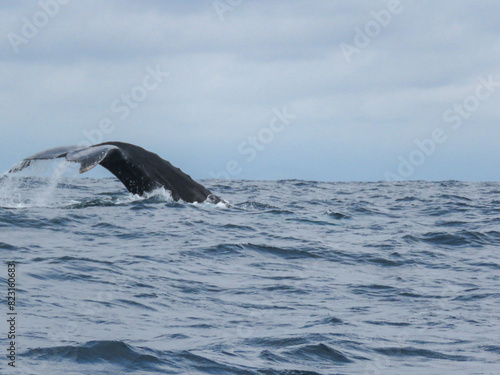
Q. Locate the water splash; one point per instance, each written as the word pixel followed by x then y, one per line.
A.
pixel 19 191
pixel 160 194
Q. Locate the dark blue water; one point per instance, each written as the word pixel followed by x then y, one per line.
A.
pixel 295 277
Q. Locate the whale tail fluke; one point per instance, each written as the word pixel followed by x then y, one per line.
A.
pixel 141 171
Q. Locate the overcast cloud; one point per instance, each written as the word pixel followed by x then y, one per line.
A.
pixel 318 90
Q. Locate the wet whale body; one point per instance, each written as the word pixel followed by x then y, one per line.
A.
pixel 141 171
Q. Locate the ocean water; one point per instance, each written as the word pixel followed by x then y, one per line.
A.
pixel 292 278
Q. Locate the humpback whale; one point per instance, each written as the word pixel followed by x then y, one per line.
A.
pixel 141 171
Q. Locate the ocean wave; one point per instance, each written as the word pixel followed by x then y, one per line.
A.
pixel 6 246
pixel 242 248
pixel 116 352
pixel 460 238
pixel 287 372
pixel 337 215
pixel 262 207
pixel 410 351
pixel 284 252
pixel 318 353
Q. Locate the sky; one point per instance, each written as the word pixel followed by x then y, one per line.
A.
pixel 361 90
